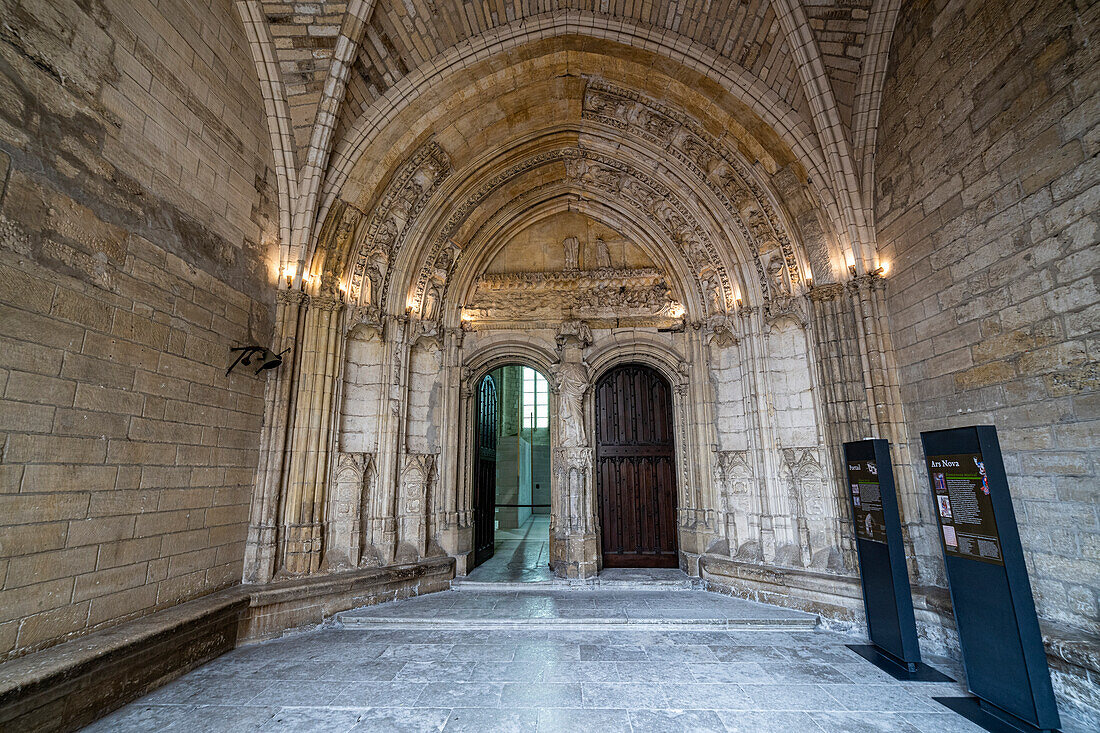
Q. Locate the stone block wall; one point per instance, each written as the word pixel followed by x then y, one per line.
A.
pixel 135 207
pixel 987 199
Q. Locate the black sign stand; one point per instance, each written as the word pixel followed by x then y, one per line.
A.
pixel 1002 648
pixel 879 544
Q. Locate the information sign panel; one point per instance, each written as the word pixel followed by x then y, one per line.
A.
pixel 999 636
pixel 964 507
pixel 886 595
pixel 863 482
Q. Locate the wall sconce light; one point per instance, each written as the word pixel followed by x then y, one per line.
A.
pixel 883 268
pixel 738 302
pixel 261 355
pixel 852 270
pixel 288 272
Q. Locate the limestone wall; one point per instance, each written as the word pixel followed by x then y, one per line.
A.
pixel 987 203
pixel 134 203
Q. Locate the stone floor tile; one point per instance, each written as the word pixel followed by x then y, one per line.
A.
pixel 138 718
pixel 863 723
pixel 654 672
pixel 545 650
pixel 540 695
pixel 401 720
pixel 285 693
pixel 752 721
pixel 749 672
pixel 524 671
pixel 437 671
pixel 668 721
pixel 801 672
pixel 623 695
pixel 403 694
pixel 614 653
pixel 582 672
pixel 573 720
pixel 460 695
pixel 945 722
pixel 887 697
pixel 189 690
pixel 792 697
pixel 417 652
pixel 754 653
pixel 690 653
pixel 312 719
pixel 474 720
pixel 717 696
pixel 481 653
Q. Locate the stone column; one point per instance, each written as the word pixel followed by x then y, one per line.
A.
pixel 843 398
pixel 577 541
pixel 311 439
pixel 778 527
pixel 263 526
pixel 884 406
pixel 447 520
pixel 391 445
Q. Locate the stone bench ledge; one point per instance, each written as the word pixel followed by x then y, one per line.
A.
pixel 71 659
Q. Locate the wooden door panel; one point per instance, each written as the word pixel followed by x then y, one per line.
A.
pixel 635 477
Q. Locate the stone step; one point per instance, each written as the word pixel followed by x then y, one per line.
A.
pixel 577 624
pixel 542 586
pixel 572 609
pixel 624 579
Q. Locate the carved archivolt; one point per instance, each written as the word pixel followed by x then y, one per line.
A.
pixel 590 170
pixel 404 199
pixel 720 170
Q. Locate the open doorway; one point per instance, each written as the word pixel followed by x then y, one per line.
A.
pixel 512 491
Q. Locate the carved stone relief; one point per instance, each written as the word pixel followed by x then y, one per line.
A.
pixel 348 501
pixel 414 487
pixel 554 296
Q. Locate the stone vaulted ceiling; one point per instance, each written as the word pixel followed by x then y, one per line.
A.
pixel 352 89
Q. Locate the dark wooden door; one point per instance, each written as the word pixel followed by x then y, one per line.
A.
pixel 635 469
pixel 485 471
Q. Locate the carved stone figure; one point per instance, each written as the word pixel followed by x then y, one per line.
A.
pixel 430 309
pixel 572 252
pixel 603 256
pixel 572 384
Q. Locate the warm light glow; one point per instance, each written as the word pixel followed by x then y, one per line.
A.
pixel 738 301
pixel 676 310
pixel 288 273
pixel 343 288
pixel 885 267
pixel 467 317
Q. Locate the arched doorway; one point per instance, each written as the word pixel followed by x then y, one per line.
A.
pixel 635 468
pixel 511 475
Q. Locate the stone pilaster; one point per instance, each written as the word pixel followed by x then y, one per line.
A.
pixel 263 527
pixel 311 439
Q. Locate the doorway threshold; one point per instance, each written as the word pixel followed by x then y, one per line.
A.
pixel 632 579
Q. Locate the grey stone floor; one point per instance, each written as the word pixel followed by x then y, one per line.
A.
pixel 520 555
pixel 578 609
pixel 334 679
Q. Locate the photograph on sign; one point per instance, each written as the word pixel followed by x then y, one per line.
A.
pixel 964 508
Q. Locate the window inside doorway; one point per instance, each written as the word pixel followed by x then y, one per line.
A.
pixel 536 400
